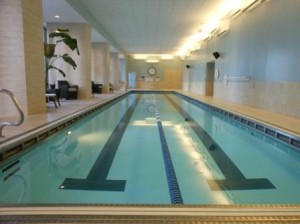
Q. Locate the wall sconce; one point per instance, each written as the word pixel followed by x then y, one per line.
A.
pixel 189 66
pixel 216 54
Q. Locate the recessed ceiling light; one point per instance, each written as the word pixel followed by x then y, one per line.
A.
pixel 167 56
pixel 57 16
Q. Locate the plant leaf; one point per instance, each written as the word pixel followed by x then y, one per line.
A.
pixel 69 60
pixel 61 35
pixel 67 39
pixel 72 43
pixel 59 70
pixel 62 30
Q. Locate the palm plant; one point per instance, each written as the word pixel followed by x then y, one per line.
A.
pixel 60 36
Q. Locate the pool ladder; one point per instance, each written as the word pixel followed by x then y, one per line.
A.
pixel 14 99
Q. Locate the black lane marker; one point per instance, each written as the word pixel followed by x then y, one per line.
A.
pixel 96 179
pixel 234 178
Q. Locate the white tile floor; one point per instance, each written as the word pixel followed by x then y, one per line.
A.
pixel 68 107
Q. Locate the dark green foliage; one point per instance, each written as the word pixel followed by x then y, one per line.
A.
pixel 62 36
pixel 67 39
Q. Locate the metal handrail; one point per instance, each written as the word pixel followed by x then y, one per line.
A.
pixel 13 97
pixel 238 78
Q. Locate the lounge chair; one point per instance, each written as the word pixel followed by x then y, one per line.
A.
pixel 67 91
pixel 96 88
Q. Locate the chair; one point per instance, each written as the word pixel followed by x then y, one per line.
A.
pixel 96 88
pixel 67 91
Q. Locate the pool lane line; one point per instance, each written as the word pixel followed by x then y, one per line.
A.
pixel 174 190
pixel 234 178
pixel 97 177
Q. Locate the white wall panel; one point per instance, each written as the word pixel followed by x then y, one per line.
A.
pixel 263 44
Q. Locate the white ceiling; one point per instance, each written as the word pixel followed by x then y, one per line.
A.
pixel 136 26
pixel 67 15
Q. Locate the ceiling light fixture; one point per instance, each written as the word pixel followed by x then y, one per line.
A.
pixel 251 5
pixel 167 56
pixel 152 60
pixel 140 56
pixel 57 16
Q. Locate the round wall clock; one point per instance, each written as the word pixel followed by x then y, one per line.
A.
pixel 151 70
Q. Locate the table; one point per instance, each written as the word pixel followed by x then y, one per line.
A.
pixel 52 97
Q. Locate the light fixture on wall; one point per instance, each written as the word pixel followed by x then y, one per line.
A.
pixel 216 54
pixel 189 66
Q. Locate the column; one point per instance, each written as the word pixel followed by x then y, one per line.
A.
pixel 21 56
pixel 82 75
pixel 101 65
pixel 115 70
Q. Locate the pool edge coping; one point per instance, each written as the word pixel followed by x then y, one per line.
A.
pixel 154 213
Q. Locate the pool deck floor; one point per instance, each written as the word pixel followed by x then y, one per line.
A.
pixel 68 107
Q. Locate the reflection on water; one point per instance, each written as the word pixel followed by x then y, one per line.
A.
pixel 19 186
pixel 19 180
pixel 63 155
pixel 36 176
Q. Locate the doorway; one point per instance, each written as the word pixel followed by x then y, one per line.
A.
pixel 131 80
pixel 210 78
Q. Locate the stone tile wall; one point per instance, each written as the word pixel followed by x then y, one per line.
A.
pixel 278 97
pixel 21 56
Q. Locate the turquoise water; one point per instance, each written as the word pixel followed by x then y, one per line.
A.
pixel 116 156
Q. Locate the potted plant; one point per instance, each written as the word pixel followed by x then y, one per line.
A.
pixel 60 36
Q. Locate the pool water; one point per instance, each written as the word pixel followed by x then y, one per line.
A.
pixel 154 149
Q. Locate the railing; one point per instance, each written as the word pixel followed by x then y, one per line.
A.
pixel 238 78
pixel 13 97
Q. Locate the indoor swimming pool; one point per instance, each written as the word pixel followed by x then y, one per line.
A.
pixel 155 149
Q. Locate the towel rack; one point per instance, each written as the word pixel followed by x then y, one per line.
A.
pixel 238 79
